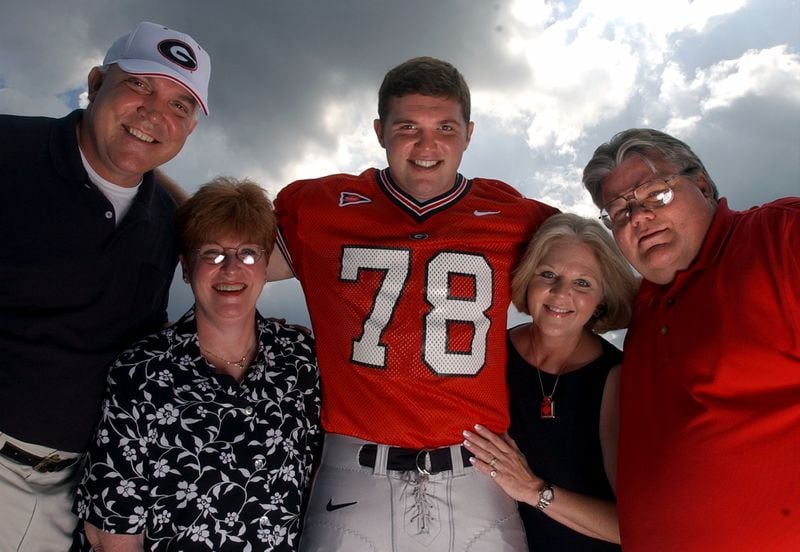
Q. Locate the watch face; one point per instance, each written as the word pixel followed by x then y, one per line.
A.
pixel 547 493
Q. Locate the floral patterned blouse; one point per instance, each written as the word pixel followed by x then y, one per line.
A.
pixel 197 461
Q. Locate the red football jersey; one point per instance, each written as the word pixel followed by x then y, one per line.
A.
pixel 408 301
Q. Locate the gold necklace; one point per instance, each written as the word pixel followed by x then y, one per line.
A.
pixel 240 364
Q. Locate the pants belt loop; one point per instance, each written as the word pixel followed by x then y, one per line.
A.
pixel 456 460
pixel 381 459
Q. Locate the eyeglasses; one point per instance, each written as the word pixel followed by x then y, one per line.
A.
pixel 652 194
pixel 248 254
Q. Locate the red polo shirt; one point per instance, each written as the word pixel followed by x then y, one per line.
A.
pixel 709 455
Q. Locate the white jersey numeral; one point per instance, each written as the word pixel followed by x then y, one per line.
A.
pixel 396 265
pixel 446 309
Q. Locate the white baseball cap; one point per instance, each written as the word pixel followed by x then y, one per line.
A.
pixel 155 50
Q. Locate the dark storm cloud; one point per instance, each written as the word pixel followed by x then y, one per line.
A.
pixel 274 61
pixel 765 136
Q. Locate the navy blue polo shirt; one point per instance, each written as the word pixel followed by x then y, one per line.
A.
pixel 75 289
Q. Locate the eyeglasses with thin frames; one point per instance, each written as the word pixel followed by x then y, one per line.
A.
pixel 652 194
pixel 248 254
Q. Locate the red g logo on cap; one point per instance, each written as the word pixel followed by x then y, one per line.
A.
pixel 179 53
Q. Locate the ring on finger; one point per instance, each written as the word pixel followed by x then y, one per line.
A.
pixel 493 461
pixel 493 473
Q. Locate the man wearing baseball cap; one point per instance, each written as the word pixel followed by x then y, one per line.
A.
pixel 88 254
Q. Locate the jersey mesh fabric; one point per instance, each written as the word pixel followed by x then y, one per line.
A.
pixel 408 301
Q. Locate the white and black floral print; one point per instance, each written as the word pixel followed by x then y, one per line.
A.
pixel 197 461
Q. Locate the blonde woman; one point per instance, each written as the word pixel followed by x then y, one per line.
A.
pixel 559 457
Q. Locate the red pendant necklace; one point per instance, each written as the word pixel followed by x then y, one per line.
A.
pixel 547 408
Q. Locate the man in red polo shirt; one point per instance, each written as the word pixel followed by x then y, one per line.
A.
pixel 709 455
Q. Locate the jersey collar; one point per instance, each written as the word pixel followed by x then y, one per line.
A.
pixel 422 209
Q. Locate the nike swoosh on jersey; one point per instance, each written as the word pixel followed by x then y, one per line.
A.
pixel 484 213
pixel 330 506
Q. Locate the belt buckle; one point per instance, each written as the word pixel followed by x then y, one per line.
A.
pixel 46 463
pixel 425 454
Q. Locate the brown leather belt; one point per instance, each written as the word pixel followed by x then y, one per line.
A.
pixel 425 461
pixel 41 464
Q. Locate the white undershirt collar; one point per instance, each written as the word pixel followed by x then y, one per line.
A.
pixel 120 197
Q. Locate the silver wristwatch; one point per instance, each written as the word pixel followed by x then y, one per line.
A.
pixel 546 496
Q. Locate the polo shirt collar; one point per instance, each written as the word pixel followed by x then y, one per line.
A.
pixel 64 147
pixel 715 238
pixel 66 157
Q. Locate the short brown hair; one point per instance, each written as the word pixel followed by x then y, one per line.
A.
pixel 619 281
pixel 226 206
pixel 427 76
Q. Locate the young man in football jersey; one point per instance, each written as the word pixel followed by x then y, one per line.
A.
pixel 406 276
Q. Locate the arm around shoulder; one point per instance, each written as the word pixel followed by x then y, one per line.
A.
pixel 175 191
pixel 278 268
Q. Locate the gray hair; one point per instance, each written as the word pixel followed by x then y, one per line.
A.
pixel 650 145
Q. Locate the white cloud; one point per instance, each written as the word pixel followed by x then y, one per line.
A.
pixel 677 92
pixel 577 76
pixel 585 68
pixel 355 145
pixel 535 13
pixel 772 72
pixel 661 17
pixel 562 188
pixel 682 126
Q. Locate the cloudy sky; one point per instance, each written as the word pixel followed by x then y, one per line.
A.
pixel 294 85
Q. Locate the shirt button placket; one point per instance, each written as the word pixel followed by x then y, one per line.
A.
pixel 669 303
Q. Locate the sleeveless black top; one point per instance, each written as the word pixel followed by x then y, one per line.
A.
pixel 564 451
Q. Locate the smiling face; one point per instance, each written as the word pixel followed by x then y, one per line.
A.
pixel 134 123
pixel 566 288
pixel 227 291
pixel 425 138
pixel 660 242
